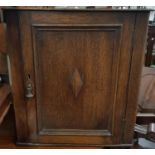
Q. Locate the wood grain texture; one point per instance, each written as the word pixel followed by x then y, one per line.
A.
pixel 3 38
pixel 81 64
pixel 8 137
pixel 79 50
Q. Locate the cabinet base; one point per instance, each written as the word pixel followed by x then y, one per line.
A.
pixel 75 145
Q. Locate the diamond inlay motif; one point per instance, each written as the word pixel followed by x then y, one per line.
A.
pixel 76 82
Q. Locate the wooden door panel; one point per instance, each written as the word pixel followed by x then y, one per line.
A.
pixel 76 79
pixel 79 70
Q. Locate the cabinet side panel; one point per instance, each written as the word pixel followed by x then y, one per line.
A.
pixel 137 62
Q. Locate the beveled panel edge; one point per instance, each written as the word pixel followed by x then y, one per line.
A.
pixel 74 132
pixel 77 25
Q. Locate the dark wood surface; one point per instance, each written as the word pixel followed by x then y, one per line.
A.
pixel 84 69
pixel 8 136
pixel 69 92
pixel 3 38
pixel 3 64
pixel 3 47
pixel 139 45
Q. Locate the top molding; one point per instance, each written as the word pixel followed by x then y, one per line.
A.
pixel 39 8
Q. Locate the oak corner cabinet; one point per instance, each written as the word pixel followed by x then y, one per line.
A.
pixel 75 74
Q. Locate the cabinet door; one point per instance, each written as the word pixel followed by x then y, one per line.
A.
pixel 75 72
